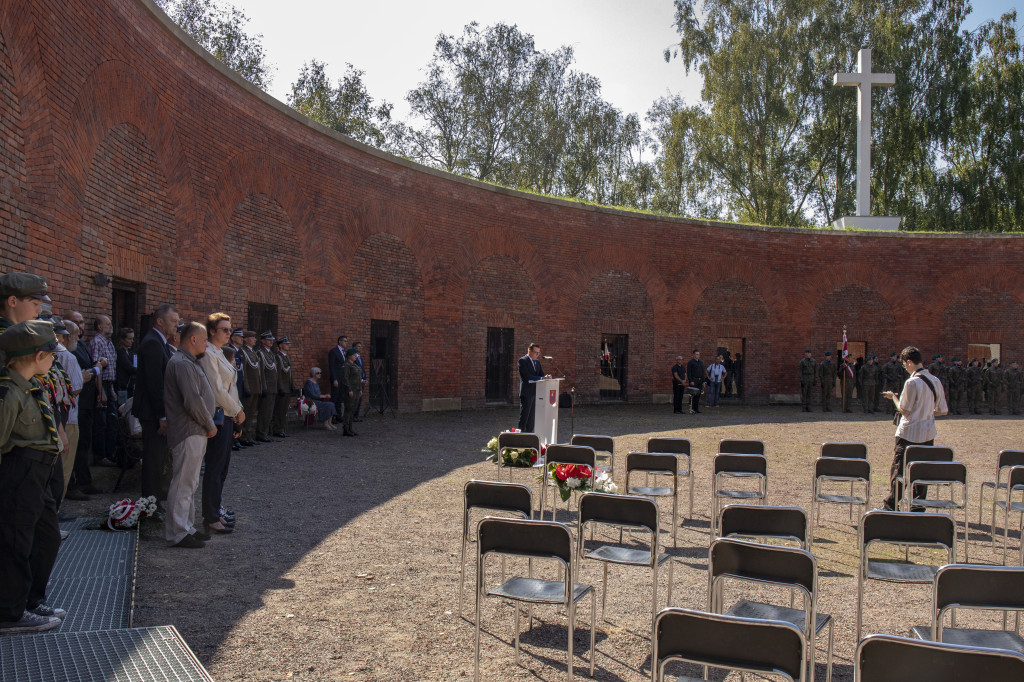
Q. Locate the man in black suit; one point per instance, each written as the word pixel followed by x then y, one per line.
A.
pixel 148 406
pixel 336 372
pixel 697 376
pixel 529 370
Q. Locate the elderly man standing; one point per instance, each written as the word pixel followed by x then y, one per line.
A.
pixel 189 405
pixel 104 426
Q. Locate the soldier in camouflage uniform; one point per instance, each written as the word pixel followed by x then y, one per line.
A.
pixel 807 371
pixel 938 370
pixel 1014 380
pixel 994 386
pixel 957 376
pixel 890 380
pixel 974 379
pixel 848 378
pixel 869 385
pixel 827 373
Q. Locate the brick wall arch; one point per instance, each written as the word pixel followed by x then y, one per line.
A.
pixel 867 315
pixel 982 314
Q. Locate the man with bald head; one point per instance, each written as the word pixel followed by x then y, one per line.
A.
pixel 104 425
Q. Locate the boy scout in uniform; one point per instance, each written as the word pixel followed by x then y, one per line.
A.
pixel 827 372
pixel 807 370
pixel 29 447
pixel 284 387
pixel 268 375
pixel 1014 380
pixel 253 385
pixel 974 386
pixel 352 386
pixel 994 386
pixel 957 377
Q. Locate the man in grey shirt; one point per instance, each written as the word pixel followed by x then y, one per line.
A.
pixel 189 406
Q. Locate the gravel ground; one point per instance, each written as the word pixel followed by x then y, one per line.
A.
pixel 344 564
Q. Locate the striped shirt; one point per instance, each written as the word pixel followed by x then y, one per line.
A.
pixel 918 424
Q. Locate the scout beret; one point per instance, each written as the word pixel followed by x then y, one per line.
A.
pixel 892 354
pixel 974 359
pixel 808 350
pixel 249 334
pixel 350 352
pixel 828 353
pixel 238 332
pixel 956 358
pixel 26 338
pixel 22 284
pixel 283 339
pixel 267 335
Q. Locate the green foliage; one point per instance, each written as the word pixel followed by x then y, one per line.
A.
pixel 221 30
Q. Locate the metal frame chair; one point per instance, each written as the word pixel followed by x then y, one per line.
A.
pixel 921 453
pixel 678 447
pixel 534 540
pixel 625 511
pixel 1004 460
pixel 844 450
pixel 764 522
pixel 944 474
pixel 741 446
pixel 987 588
pixel 1014 483
pixel 786 567
pixel 565 454
pixel 656 463
pixel 491 496
pixel 887 658
pixel 839 470
pixel 900 528
pixel 599 444
pixel 737 466
pixel 751 645
pixel 520 440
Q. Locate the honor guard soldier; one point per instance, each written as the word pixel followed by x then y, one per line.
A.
pixel 29 448
pixel 848 379
pixel 939 371
pixel 890 381
pixel 827 372
pixel 284 387
pixel 807 370
pixel 1014 380
pixel 352 385
pixel 974 381
pixel 956 375
pixel 994 386
pixel 869 384
pixel 268 396
pixel 253 385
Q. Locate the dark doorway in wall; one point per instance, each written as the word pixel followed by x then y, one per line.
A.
pixel 383 368
pixel 498 383
pixel 734 353
pixel 127 301
pixel 614 354
pixel 262 317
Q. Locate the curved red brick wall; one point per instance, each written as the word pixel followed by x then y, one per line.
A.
pixel 125 151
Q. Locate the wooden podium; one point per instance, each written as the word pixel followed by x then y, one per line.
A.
pixel 545 417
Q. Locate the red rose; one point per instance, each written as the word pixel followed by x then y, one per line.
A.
pixel 533 457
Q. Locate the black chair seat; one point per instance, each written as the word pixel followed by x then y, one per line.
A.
pixel 739 474
pixel 649 491
pixel 843 499
pixel 625 555
pixel 935 504
pixel 739 494
pixel 754 609
pixel 988 639
pixel 537 591
pixel 899 572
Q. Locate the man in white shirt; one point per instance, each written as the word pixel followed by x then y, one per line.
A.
pixel 920 402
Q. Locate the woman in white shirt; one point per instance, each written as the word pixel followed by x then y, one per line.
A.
pixel 229 416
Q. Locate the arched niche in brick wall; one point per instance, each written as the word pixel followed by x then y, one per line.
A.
pixel 12 168
pixel 734 309
pixel 868 317
pixel 982 315
pixel 614 302
pixel 384 282
pixel 499 293
pixel 127 220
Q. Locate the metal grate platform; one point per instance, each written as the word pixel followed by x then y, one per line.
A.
pixel 96 553
pixel 156 654
pixel 103 603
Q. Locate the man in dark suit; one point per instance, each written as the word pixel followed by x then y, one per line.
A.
pixel 529 370
pixel 148 406
pixel 336 372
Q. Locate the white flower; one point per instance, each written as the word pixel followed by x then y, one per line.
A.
pixel 513 454
pixel 573 483
pixel 492 443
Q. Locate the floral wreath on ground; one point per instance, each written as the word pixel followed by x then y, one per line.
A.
pixel 125 514
pixel 574 478
pixel 512 457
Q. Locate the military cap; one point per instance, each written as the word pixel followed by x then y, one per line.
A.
pixel 267 335
pixel 995 359
pixel 22 284
pixel 249 334
pixel 238 332
pixel 283 339
pixel 956 358
pixel 974 359
pixel 893 354
pixel 808 350
pixel 936 357
pixel 26 338
pixel 59 328
pixel 828 353
pixel 350 352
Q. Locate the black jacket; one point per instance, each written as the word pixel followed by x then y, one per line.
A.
pixel 149 382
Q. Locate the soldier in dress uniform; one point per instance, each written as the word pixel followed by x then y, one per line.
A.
pixel 994 386
pixel 284 387
pixel 827 373
pixel 1014 380
pixel 268 397
pixel 974 380
pixel 957 377
pixel 807 371
pixel 869 385
pixel 352 385
pixel 253 378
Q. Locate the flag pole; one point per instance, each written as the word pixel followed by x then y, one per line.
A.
pixel 844 370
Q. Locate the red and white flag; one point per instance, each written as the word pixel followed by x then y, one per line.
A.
pixel 846 348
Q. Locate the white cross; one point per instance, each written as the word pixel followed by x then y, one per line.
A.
pixel 864 80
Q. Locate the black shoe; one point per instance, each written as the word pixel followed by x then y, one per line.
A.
pixel 356 419
pixel 205 537
pixel 280 434
pixel 61 517
pixel 263 439
pixel 91 490
pixel 190 542
pixel 348 433
pixel 236 445
pixel 77 495
pixel 248 443
pixel 677 411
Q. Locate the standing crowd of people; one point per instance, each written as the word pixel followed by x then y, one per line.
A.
pixel 198 390
pixel 722 378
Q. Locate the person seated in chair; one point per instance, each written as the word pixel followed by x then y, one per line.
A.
pixel 325 411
